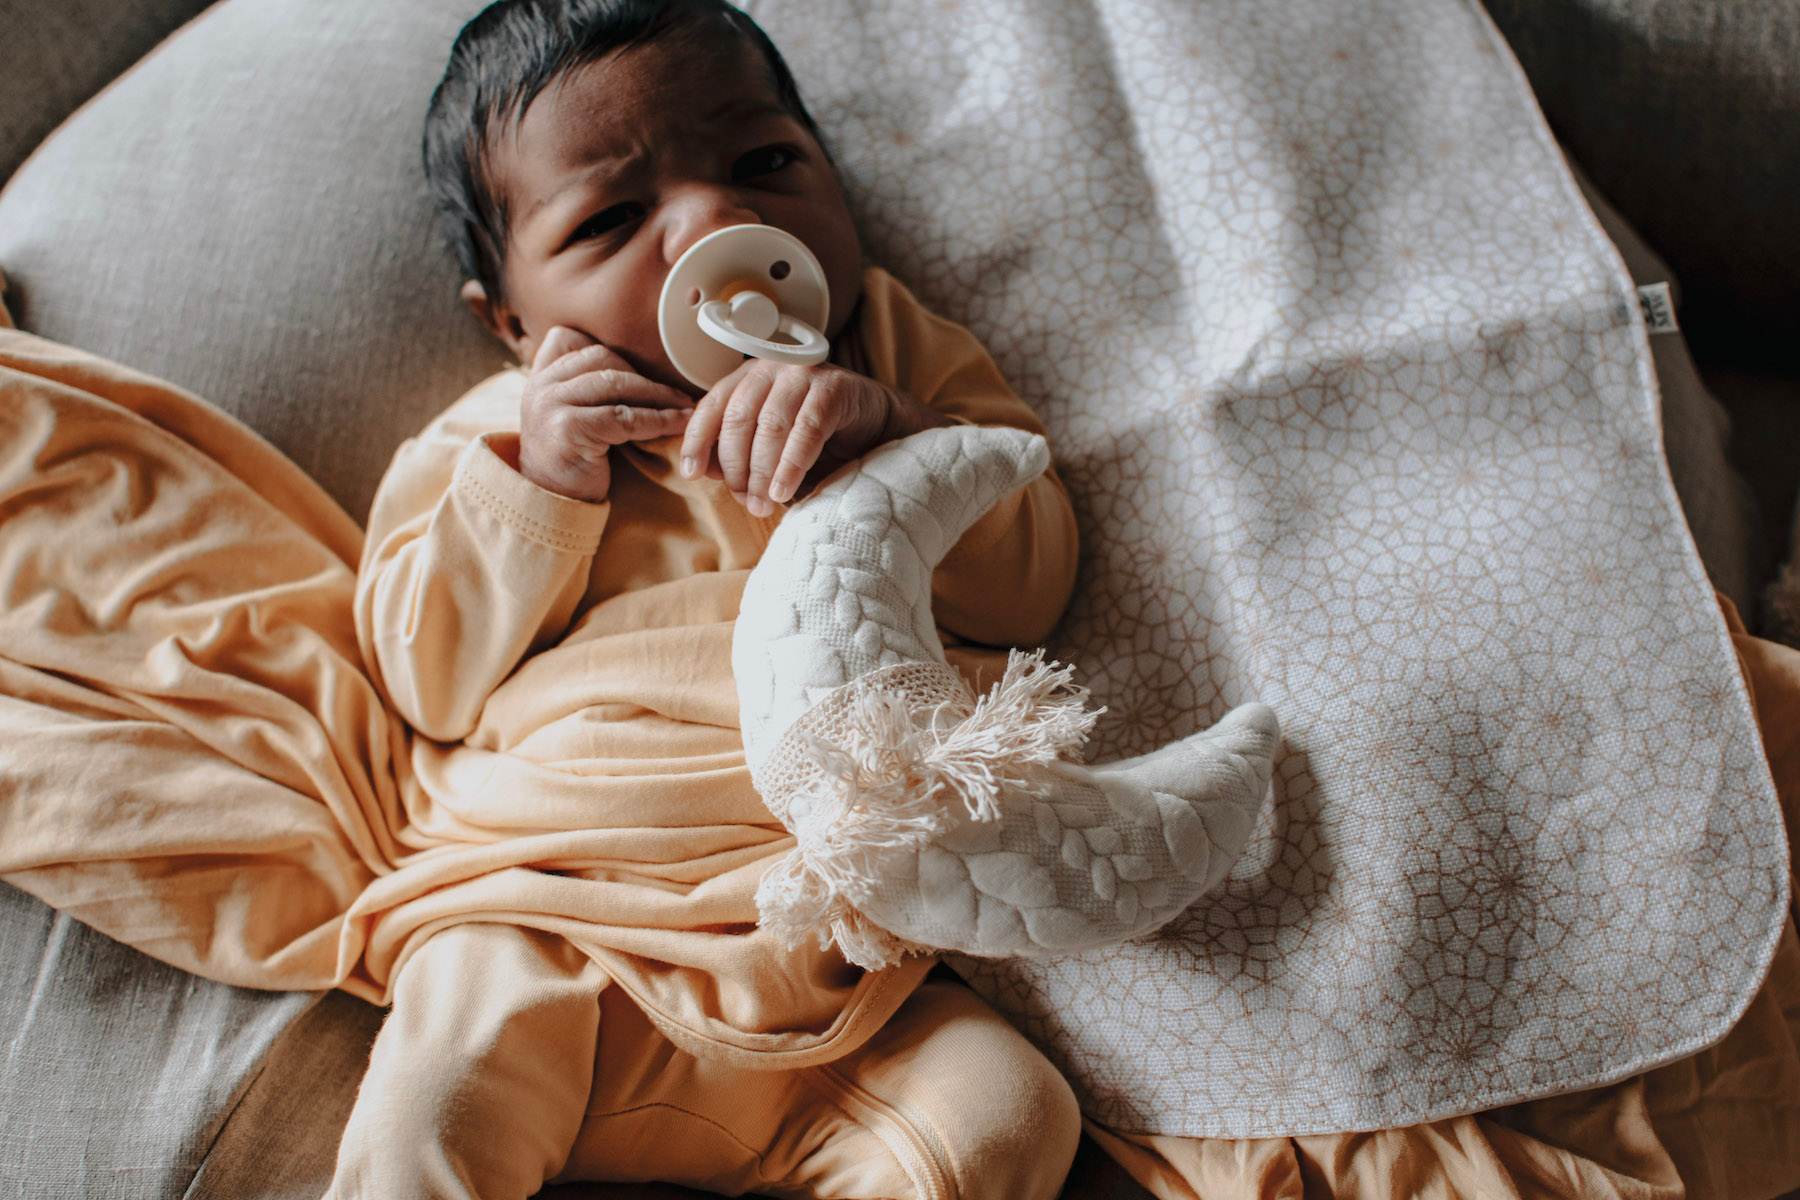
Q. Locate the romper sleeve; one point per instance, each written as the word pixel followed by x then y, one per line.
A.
pixel 468 566
pixel 1007 581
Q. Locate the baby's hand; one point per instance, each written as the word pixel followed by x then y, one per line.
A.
pixel 768 427
pixel 581 400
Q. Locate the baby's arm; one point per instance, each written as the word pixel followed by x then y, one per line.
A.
pixel 484 529
pixel 467 565
pixel 1008 579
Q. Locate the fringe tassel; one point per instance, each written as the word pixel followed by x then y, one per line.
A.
pixel 796 906
pixel 884 793
pixel 1035 715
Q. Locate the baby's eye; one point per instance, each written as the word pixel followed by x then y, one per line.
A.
pixel 763 160
pixel 607 220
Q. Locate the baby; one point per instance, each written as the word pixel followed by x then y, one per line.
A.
pixel 547 595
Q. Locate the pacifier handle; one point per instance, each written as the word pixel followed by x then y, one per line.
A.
pixel 734 292
pixel 805 347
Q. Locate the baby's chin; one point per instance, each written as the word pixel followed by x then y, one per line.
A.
pixel 846 297
pixel 658 369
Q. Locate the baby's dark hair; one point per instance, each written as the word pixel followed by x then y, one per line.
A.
pixel 506 57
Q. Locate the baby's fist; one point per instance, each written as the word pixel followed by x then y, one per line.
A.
pixel 770 429
pixel 582 399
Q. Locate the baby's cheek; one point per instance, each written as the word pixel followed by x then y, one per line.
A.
pixel 842 260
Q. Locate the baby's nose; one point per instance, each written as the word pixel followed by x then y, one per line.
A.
pixel 700 211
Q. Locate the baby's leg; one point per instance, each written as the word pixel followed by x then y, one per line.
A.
pixel 946 1102
pixel 480 1075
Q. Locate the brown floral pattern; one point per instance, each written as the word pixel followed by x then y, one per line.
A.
pixel 1356 405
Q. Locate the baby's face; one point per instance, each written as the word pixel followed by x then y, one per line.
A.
pixel 623 164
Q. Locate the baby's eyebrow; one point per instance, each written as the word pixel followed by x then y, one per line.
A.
pixel 740 107
pixel 599 173
pixel 603 170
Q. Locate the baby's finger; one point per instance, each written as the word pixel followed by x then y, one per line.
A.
pixel 813 427
pixel 594 358
pixel 703 426
pixel 776 426
pixel 558 342
pixel 737 430
pixel 577 360
pixel 614 385
pixel 620 423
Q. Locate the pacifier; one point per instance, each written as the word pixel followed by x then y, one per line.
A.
pixel 744 290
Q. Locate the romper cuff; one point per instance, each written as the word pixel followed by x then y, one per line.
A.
pixel 535 513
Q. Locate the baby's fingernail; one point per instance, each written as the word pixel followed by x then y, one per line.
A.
pixel 689 468
pixel 760 506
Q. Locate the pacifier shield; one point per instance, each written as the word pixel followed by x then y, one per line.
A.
pixel 723 265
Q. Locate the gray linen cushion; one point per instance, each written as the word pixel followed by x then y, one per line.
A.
pixel 117 1071
pixel 244 214
pixel 280 1141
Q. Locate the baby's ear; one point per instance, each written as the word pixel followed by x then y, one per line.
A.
pixel 501 321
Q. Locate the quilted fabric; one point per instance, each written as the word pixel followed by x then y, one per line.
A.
pixel 1355 403
pixel 928 819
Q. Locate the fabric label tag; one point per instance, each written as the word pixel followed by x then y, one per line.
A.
pixel 1659 308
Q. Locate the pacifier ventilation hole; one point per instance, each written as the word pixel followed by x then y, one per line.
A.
pixel 779 269
pixel 694 297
